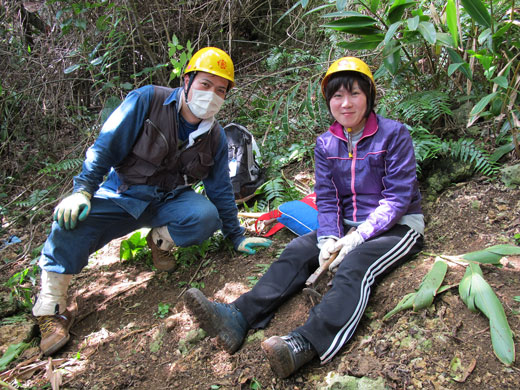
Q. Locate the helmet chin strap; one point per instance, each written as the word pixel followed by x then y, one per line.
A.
pixel 192 77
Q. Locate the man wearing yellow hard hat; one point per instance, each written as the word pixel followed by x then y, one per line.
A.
pixel 139 173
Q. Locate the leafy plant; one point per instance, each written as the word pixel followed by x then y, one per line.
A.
pixel 261 269
pixel 132 247
pixel 475 293
pixel 21 284
pixel 162 310
pixel 179 56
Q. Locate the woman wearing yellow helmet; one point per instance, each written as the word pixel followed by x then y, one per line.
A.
pixel 369 214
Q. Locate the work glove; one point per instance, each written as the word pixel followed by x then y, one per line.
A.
pixel 345 245
pixel 327 249
pixel 248 244
pixel 71 209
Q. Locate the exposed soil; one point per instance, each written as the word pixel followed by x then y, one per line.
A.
pixel 120 342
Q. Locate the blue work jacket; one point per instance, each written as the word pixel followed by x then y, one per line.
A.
pixel 115 142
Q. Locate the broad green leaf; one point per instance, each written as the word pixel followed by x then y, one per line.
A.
pixel 343 14
pixel 391 32
pixel 308 99
pixel 392 57
pixel 451 21
pixel 340 4
pixel 12 353
pixel 71 69
pixel 477 294
pixel 445 39
pixel 360 25
pixel 397 9
pixel 483 257
pixel 404 304
pixel 97 61
pixel 479 107
pixel 430 284
pixel 428 32
pixel 374 5
pixel 478 12
pixel 413 23
pixel 504 249
pixel 457 59
pixel 368 42
pixel 501 81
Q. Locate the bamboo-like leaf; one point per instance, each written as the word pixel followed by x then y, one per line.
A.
pixel 360 25
pixel 413 23
pixel 368 42
pixel 478 12
pixel 374 4
pixel 404 304
pixel 483 256
pixel 479 107
pixel 308 99
pixel 477 294
pixel 391 32
pixel 504 249
pixel 451 21
pixel 457 59
pixel 428 32
pixel 430 284
pixel 392 57
pixel 397 9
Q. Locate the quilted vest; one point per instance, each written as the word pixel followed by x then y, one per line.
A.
pixel 158 158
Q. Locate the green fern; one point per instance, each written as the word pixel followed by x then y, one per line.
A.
pixel 428 147
pixel 34 199
pixel 60 166
pixel 275 192
pixel 424 107
pixel 466 151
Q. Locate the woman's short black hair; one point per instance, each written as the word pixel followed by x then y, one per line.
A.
pixel 347 79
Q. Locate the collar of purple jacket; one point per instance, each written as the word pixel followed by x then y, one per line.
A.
pixel 370 127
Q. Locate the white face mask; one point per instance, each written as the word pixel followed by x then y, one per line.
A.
pixel 204 104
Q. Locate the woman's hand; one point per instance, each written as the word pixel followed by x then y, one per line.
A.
pixel 345 245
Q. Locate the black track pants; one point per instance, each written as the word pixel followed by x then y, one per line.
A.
pixel 332 322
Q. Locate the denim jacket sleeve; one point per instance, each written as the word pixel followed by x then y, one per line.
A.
pixel 220 191
pixel 115 140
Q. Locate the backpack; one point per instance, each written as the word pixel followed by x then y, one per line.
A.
pixel 244 170
pixel 299 216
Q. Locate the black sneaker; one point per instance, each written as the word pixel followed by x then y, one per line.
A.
pixel 220 320
pixel 287 354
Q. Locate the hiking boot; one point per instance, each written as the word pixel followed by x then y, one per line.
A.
pixel 288 353
pixel 162 260
pixel 54 331
pixel 220 320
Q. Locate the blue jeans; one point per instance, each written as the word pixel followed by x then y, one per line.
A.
pixel 191 218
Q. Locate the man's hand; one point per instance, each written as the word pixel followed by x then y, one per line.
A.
pixel 71 209
pixel 248 244
pixel 327 249
pixel 345 245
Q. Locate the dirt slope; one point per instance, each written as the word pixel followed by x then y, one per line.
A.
pixel 120 340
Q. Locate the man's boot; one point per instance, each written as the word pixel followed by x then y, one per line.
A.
pixel 51 312
pixel 220 320
pixel 162 259
pixel 288 353
pixel 54 331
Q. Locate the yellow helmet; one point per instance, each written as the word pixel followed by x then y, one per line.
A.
pixel 212 60
pixel 347 63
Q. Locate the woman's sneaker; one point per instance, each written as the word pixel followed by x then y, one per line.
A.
pixel 287 354
pixel 219 320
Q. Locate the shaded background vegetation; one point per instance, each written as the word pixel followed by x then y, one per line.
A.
pixel 448 70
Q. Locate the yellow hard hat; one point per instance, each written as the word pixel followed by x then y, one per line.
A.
pixel 347 63
pixel 212 60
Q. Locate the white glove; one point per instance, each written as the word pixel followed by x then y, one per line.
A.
pixel 327 249
pixel 345 245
